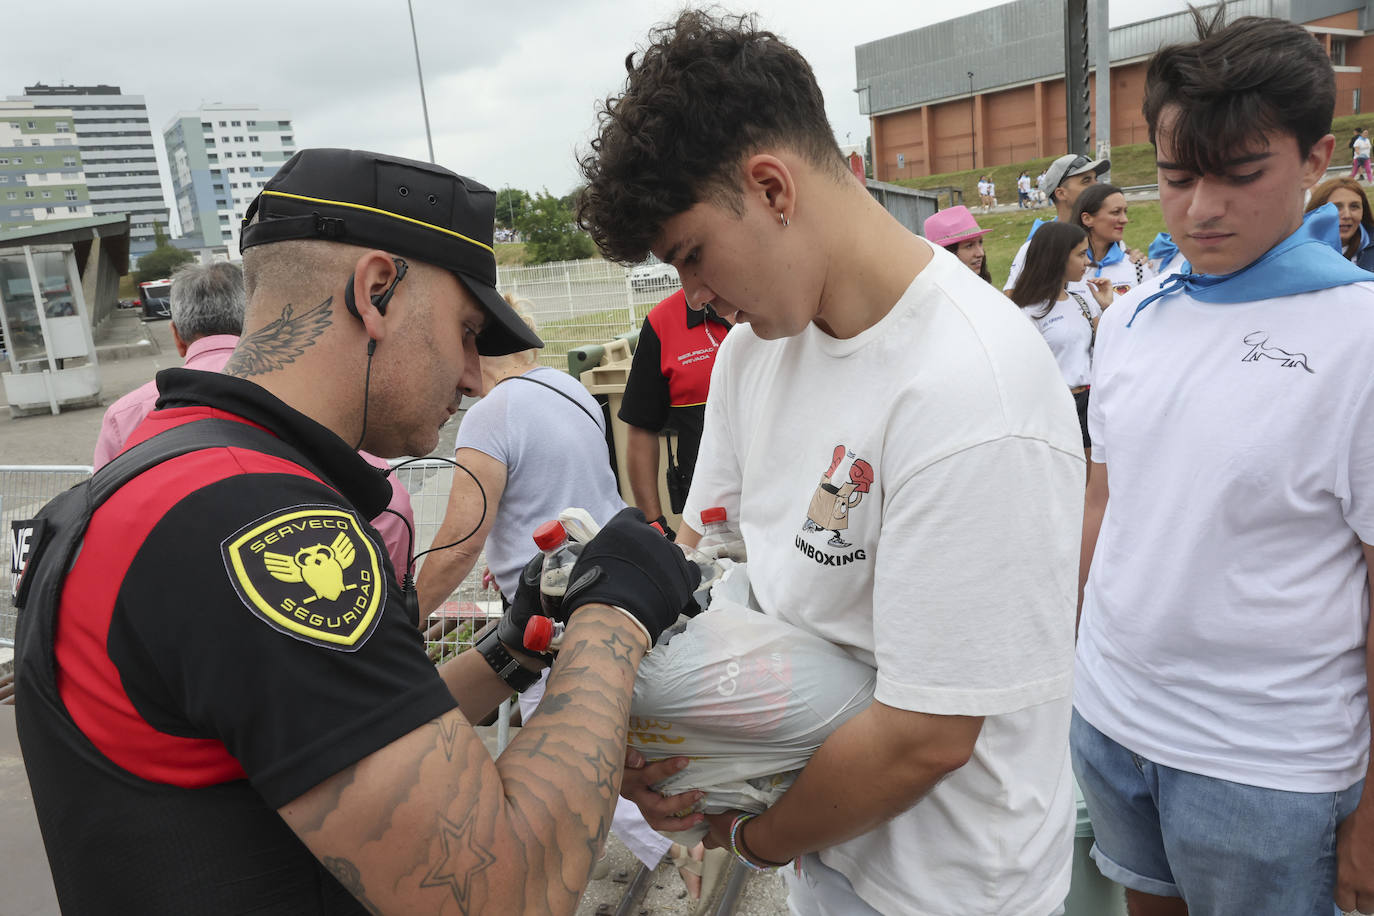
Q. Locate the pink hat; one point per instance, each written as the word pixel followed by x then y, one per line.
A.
pixel 953 225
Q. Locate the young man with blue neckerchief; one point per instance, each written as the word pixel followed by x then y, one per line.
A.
pixel 1221 727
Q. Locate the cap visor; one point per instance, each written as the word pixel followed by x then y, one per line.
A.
pixel 505 332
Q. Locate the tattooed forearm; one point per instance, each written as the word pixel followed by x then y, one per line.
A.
pixel 348 875
pixel 433 822
pixel 464 859
pixel 279 342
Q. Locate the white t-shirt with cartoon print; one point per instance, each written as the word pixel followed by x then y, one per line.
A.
pixel 914 495
pixel 1227 606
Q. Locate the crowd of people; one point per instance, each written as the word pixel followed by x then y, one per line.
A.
pixel 218 662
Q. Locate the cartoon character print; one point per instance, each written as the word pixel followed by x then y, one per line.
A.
pixel 842 487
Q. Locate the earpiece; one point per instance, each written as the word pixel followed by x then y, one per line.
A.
pixel 382 299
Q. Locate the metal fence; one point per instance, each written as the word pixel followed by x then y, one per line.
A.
pixel 577 303
pixel 24 490
pixel 451 627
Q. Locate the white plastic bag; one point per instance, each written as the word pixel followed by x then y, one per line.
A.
pixel 748 697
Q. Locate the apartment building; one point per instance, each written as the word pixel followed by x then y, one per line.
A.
pixel 116 146
pixel 220 156
pixel 41 175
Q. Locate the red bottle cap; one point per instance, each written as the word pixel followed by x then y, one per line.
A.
pixel 550 535
pixel 713 514
pixel 538 633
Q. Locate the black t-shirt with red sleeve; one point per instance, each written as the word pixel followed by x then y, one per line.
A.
pixel 670 375
pixel 230 636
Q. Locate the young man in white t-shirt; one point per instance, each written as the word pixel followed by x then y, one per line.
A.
pixel 1066 178
pixel 1221 730
pixel 904 461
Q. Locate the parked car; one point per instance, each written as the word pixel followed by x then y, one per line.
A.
pixel 653 274
pixel 154 308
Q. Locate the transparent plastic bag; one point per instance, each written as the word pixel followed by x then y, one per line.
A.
pixel 748 697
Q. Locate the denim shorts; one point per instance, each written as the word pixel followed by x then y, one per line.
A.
pixel 1226 848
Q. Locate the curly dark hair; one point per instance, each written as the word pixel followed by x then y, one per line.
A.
pixel 710 89
pixel 1237 82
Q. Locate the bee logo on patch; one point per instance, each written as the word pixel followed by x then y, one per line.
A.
pixel 309 572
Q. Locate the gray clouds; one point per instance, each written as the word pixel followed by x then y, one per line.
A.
pixel 512 87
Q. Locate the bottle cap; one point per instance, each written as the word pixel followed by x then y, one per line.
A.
pixel 550 535
pixel 713 514
pixel 538 633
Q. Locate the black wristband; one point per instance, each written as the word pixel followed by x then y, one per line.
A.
pixel 517 677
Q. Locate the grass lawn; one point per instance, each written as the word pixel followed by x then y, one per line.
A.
pixel 1009 231
pixel 510 253
pixel 1133 164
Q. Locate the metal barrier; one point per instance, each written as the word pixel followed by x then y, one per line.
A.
pixel 577 303
pixel 23 491
pixel 451 627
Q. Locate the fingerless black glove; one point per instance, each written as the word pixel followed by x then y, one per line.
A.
pixel 631 566
pixel 524 605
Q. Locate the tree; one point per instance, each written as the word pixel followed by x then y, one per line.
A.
pixel 160 262
pixel 550 233
pixel 511 203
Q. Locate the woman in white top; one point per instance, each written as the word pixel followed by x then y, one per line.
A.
pixel 1057 257
pixel 1101 212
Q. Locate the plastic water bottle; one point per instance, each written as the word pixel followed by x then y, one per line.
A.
pixel 711 571
pixel 560 555
pixel 543 634
pixel 720 537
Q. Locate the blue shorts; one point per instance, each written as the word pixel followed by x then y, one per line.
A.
pixel 1226 848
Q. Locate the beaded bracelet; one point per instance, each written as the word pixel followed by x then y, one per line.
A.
pixel 737 839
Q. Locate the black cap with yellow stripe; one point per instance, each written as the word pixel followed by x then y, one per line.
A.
pixel 413 209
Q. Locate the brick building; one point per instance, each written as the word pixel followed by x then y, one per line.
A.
pixel 928 116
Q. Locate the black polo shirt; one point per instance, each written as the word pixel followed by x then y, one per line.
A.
pixel 230 636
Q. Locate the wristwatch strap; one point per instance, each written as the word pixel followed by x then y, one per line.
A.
pixel 518 677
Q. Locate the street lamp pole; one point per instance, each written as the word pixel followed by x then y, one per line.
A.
pixel 972 132
pixel 424 106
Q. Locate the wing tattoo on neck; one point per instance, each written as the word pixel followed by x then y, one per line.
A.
pixel 279 342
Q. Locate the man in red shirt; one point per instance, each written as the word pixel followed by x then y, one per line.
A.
pixel 669 380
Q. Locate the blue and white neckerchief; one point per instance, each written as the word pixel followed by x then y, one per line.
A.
pixel 1163 250
pixel 1115 255
pixel 1035 226
pixel 1308 260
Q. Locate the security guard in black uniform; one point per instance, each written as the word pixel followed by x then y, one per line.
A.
pixel 223 706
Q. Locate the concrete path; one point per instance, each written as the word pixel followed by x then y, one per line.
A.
pixel 130 352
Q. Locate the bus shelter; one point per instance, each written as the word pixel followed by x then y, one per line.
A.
pixel 47 352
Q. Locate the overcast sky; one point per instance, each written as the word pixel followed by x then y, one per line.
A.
pixel 511 85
